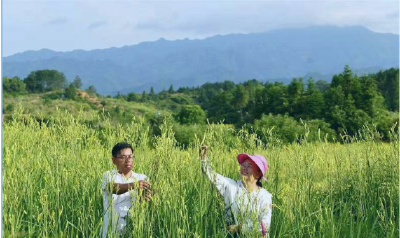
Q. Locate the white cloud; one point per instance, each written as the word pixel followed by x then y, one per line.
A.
pixel 131 22
pixel 96 24
pixel 57 21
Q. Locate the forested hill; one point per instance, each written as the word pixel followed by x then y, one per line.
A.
pixel 348 104
pixel 277 55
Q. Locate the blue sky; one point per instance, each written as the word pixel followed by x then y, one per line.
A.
pixel 88 24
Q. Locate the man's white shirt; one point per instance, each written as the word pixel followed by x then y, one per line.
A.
pixel 116 207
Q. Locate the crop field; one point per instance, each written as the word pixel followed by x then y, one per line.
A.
pixel 52 181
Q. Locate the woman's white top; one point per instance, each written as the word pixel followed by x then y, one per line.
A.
pixel 116 207
pixel 242 207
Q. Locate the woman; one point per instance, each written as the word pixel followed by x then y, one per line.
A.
pixel 248 206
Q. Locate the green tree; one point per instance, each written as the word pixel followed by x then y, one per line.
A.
pixel 91 90
pixel 371 100
pixel 183 90
pixel 334 107
pixel 161 95
pixel 203 99
pixel 295 93
pixel 151 95
pixel 45 80
pixel 144 97
pixel 221 108
pixel 228 85
pixel 241 97
pixel 313 102
pixel 77 82
pixel 185 134
pixel 272 99
pixel 355 118
pixel 350 84
pixel 192 114
pixel 388 85
pixel 13 85
pixel 70 91
pixel 171 89
pixel 322 85
pixel 343 80
pixel 251 87
pixel 119 96
pixel 296 89
pixel 284 129
pixel 132 97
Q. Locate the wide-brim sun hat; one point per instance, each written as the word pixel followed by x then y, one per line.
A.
pixel 259 160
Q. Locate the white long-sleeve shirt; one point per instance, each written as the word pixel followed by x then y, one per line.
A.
pixel 116 206
pixel 242 207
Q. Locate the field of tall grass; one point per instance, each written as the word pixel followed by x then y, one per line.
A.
pixel 52 181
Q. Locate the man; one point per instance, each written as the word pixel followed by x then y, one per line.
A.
pixel 121 187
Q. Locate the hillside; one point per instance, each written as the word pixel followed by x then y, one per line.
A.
pixel 277 55
pixel 47 105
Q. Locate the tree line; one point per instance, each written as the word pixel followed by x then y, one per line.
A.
pixel 41 81
pixel 344 106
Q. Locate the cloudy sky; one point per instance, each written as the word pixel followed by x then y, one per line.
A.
pixel 97 24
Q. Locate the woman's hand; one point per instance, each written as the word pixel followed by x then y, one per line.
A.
pixel 203 152
pixel 234 228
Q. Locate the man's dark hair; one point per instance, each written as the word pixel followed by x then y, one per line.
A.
pixel 120 146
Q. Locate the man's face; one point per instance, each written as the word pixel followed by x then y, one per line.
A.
pixel 124 161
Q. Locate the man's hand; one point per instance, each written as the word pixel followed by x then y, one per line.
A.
pixel 147 195
pixel 143 184
pixel 144 188
pixel 203 152
pixel 120 188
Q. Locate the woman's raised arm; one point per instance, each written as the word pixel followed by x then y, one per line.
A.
pixel 220 182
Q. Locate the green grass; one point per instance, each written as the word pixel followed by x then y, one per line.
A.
pixel 52 175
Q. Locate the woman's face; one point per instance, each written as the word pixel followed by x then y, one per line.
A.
pixel 248 168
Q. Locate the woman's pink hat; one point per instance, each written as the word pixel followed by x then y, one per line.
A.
pixel 260 161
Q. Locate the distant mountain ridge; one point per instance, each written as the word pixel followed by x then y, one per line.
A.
pixel 275 55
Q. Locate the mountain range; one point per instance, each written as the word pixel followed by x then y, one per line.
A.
pixel 278 55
